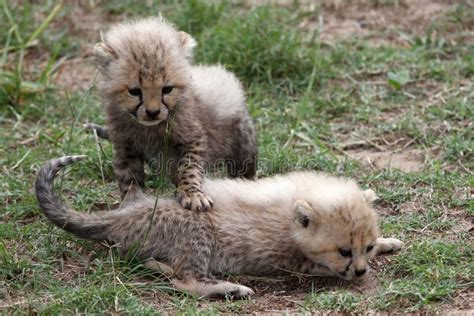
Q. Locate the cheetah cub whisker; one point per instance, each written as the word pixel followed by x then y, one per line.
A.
pixel 299 222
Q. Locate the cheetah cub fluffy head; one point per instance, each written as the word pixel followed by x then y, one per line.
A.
pixel 145 68
pixel 337 228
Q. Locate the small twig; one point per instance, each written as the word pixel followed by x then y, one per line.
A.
pixel 411 96
pixel 371 163
pixel 429 224
pixel 463 167
pixel 31 139
pixel 409 143
pixel 387 142
pixel 363 143
pixel 21 160
pixel 293 301
pixel 395 142
pixel 354 145
pixel 122 284
pixel 380 148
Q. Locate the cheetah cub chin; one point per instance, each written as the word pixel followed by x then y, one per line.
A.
pixel 179 118
pixel 300 222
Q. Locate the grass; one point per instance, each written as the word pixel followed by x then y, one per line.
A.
pixel 309 97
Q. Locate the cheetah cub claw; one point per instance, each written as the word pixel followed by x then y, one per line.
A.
pixel 196 201
pixel 241 291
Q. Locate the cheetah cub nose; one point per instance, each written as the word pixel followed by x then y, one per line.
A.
pixel 152 114
pixel 360 272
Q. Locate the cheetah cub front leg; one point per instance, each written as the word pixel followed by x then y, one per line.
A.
pixel 387 245
pixel 191 174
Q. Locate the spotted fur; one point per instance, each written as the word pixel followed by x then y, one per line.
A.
pixel 299 222
pixel 162 110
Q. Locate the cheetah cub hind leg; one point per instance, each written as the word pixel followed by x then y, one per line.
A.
pixel 212 288
pixel 388 245
pixel 203 287
pixel 158 266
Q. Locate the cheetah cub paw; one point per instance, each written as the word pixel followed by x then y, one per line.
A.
pixel 387 245
pixel 240 292
pixel 196 201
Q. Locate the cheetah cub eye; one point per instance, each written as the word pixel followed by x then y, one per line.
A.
pixel 345 252
pixel 135 92
pixel 166 89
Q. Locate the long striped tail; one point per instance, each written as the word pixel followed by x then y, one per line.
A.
pixel 87 226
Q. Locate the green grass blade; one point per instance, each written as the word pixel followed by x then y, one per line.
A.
pixel 44 24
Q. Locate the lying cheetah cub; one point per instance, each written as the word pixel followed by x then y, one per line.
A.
pixel 302 222
pixel 163 110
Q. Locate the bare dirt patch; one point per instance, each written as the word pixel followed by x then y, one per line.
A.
pixel 76 74
pixel 410 160
pixel 390 151
pixel 463 304
pixel 83 23
pixel 342 20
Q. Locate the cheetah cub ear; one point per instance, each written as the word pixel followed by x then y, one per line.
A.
pixel 304 214
pixel 188 43
pixel 370 196
pixel 103 54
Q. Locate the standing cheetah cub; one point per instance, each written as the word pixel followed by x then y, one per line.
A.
pixel 302 222
pixel 162 110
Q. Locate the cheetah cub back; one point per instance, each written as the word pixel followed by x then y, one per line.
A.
pixel 161 109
